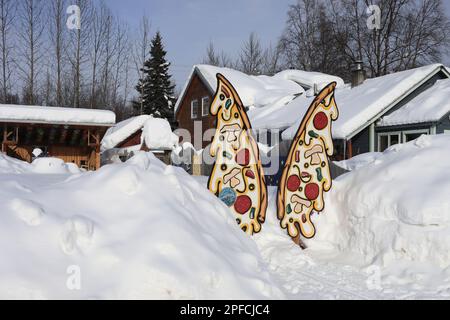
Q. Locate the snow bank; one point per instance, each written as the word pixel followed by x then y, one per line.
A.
pixel 157 134
pixel 134 230
pixel 121 131
pixel 359 161
pixel 394 209
pixel 53 166
pixel 56 115
pixel 10 165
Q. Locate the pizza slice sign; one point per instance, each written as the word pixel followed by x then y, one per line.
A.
pixel 237 177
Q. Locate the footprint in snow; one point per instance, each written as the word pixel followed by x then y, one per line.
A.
pixel 28 211
pixel 77 233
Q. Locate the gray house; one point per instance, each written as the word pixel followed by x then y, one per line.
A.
pixel 374 114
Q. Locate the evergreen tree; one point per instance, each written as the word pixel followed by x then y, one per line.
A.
pixel 156 90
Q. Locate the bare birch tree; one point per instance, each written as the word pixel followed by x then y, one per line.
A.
pixel 251 59
pixel 57 18
pixel 7 16
pixel 77 49
pixel 31 35
pixel 141 52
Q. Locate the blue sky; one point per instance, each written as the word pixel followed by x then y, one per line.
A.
pixel 188 26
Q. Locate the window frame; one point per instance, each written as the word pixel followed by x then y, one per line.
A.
pixel 192 109
pixel 203 106
pixel 418 131
pixel 389 134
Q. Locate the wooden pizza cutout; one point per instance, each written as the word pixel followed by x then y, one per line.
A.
pixel 237 177
pixel 306 174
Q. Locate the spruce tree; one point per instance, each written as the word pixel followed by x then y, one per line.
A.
pixel 156 89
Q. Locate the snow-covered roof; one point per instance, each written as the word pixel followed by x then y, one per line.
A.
pixel 156 133
pixel 358 107
pixel 56 115
pixel 430 106
pixel 122 130
pixel 310 79
pixel 260 91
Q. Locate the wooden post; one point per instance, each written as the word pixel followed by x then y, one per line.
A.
pixel 349 149
pixel 4 138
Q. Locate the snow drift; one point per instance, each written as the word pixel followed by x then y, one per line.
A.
pixel 133 230
pixel 394 208
pixel 10 165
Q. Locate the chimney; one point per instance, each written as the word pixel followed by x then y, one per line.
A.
pixel 358 73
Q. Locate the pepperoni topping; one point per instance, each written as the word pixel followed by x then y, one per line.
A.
pixel 312 191
pixel 242 204
pixel 243 157
pixel 293 183
pixel 304 220
pixel 250 174
pixel 320 121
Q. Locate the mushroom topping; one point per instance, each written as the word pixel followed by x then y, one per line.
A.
pixel 232 131
pixel 231 176
pixel 299 203
pixel 314 154
pixel 305 176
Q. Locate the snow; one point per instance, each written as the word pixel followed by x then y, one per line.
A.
pixel 53 166
pixel 155 131
pixel 357 106
pixel 157 134
pixel 56 115
pixel 255 91
pixel 144 230
pixel 122 130
pixel 395 213
pixel 430 106
pixel 138 230
pixel 39 165
pixel 359 161
pixel 310 79
pixel 11 165
pixel 280 115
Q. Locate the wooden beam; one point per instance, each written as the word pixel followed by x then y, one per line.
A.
pixel 63 136
pixel 349 149
pixel 75 136
pixel 94 139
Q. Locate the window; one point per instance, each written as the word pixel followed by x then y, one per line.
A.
pixel 205 106
pixel 194 109
pixel 413 135
pixel 386 140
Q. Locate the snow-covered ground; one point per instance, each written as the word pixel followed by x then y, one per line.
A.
pixel 143 230
pixel 134 230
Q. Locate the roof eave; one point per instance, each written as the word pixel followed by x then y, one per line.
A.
pixel 82 124
pixel 195 71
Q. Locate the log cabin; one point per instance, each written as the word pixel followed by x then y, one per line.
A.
pixel 71 134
